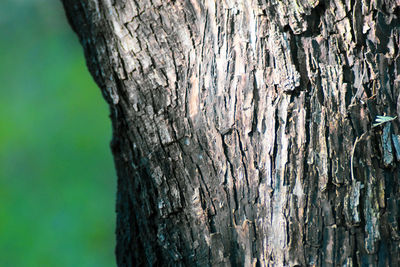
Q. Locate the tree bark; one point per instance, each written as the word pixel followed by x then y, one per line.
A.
pixel 243 130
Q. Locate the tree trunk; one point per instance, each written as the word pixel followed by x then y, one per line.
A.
pixel 243 129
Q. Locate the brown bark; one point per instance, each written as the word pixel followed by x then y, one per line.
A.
pixel 242 129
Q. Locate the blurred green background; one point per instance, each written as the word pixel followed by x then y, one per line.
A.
pixel 57 180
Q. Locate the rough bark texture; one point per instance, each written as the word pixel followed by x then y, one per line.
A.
pixel 242 130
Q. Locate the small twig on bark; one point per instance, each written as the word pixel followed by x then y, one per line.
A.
pixel 358 139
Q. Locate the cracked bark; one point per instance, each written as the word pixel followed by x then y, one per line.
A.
pixel 242 129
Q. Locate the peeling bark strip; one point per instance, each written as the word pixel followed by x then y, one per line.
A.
pixel 242 129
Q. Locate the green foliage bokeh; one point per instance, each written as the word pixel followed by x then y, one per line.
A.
pixel 57 182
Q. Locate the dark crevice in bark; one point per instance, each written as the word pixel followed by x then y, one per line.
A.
pixel 243 161
pixel 232 173
pixel 256 99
